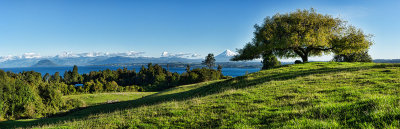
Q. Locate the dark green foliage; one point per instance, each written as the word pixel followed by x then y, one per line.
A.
pixel 353 57
pixel 297 62
pixel 209 61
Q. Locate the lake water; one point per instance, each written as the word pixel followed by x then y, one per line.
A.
pixel 234 72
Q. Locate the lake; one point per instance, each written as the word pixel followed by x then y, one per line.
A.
pixel 234 72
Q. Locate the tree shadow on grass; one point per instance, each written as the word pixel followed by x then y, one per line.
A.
pixel 208 89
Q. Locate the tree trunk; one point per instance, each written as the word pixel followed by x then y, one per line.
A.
pixel 304 58
pixel 302 53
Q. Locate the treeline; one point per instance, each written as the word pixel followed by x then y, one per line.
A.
pixel 30 95
pixel 150 78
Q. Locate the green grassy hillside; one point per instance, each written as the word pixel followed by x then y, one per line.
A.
pixel 317 95
pixel 101 98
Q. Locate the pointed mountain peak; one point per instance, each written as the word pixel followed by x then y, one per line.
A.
pixel 228 53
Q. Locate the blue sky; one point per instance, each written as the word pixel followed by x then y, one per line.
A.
pixel 49 27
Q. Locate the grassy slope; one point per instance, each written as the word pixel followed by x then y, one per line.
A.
pixel 101 98
pixel 347 95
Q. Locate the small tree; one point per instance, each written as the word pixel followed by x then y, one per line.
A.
pixel 219 69
pixel 46 77
pixel 187 68
pixel 56 77
pixel 209 61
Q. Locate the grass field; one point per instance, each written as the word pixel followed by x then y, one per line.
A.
pixel 102 98
pixel 311 95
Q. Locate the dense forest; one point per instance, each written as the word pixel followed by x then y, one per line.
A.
pixel 30 95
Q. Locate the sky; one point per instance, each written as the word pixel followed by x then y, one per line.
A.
pixel 50 27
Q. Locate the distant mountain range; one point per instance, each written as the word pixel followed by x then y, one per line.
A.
pixel 99 58
pixel 84 59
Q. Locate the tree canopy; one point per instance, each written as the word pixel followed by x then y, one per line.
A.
pixel 303 33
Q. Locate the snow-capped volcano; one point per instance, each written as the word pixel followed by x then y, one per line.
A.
pixel 225 56
pixel 228 52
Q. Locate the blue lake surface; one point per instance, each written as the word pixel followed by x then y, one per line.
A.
pixel 234 72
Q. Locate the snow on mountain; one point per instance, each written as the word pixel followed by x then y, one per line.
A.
pixel 125 54
pixel 66 55
pixel 164 54
pixel 99 54
pixel 228 53
pixel 30 55
pixel 23 56
pixel 225 56
pixel 90 54
pixel 180 55
pixel 95 58
pixel 5 58
pixel 195 55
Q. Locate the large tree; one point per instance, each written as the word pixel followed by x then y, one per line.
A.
pixel 303 33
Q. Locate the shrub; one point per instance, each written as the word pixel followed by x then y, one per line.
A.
pixel 270 61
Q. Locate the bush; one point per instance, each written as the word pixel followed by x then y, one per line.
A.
pixel 297 62
pixel 270 61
